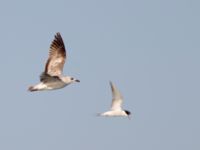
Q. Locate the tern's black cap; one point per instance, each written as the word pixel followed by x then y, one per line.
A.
pixel 127 112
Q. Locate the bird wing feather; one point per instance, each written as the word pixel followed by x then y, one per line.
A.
pixel 117 98
pixel 57 55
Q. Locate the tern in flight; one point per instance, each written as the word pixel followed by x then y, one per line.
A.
pixel 52 77
pixel 116 106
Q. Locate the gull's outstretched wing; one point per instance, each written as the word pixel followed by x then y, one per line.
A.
pixel 117 98
pixel 57 55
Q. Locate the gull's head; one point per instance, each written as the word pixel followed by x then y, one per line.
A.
pixel 69 80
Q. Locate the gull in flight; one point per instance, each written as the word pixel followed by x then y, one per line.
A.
pixel 116 106
pixel 52 77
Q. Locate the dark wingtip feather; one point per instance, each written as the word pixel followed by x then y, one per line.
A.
pixel 111 85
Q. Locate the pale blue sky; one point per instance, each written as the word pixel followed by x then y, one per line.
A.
pixel 149 49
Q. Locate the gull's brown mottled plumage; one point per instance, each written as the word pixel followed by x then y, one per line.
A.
pixel 47 78
pixel 52 77
pixel 57 56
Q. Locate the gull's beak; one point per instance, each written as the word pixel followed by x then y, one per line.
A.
pixel 77 80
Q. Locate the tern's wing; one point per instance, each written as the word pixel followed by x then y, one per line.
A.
pixel 117 98
pixel 57 55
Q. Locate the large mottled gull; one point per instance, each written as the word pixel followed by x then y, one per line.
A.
pixel 52 77
pixel 116 106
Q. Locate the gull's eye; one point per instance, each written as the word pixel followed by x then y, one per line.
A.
pixel 72 78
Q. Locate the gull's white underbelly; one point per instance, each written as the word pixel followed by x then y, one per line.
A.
pixel 50 86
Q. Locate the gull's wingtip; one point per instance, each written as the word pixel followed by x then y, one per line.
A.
pixel 111 84
pixel 57 33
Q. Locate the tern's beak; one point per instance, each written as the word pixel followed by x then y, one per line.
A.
pixel 77 80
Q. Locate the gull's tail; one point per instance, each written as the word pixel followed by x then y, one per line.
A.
pixel 32 89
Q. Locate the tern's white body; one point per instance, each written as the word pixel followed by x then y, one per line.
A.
pixel 114 113
pixel 116 107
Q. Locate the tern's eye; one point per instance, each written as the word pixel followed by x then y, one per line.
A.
pixel 72 78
